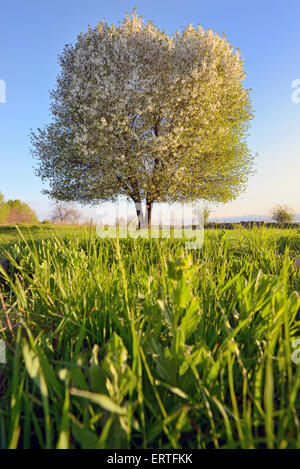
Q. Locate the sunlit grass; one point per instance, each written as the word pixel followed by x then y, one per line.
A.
pixel 145 344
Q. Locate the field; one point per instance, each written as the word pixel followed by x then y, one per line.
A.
pixel 144 344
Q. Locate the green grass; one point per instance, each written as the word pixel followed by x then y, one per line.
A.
pixel 144 344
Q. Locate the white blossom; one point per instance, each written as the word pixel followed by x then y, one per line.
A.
pixel 172 107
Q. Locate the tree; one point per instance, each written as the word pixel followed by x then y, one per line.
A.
pixel 4 209
pixel 64 212
pixel 148 116
pixel 282 214
pixel 15 211
pixel 20 212
pixel 206 214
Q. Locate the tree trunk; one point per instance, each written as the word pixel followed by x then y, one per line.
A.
pixel 148 213
pixel 139 214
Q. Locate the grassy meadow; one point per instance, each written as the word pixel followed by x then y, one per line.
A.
pixel 145 344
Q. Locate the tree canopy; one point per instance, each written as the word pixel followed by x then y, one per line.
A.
pixel 282 214
pixel 4 209
pixel 147 115
pixel 15 211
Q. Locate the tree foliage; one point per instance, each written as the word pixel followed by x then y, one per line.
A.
pixel 149 116
pixel 20 212
pixel 282 214
pixel 4 209
pixel 15 211
pixel 206 214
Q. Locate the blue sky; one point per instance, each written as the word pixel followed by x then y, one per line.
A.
pixel 33 33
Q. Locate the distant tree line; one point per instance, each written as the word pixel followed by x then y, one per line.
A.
pixel 15 211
